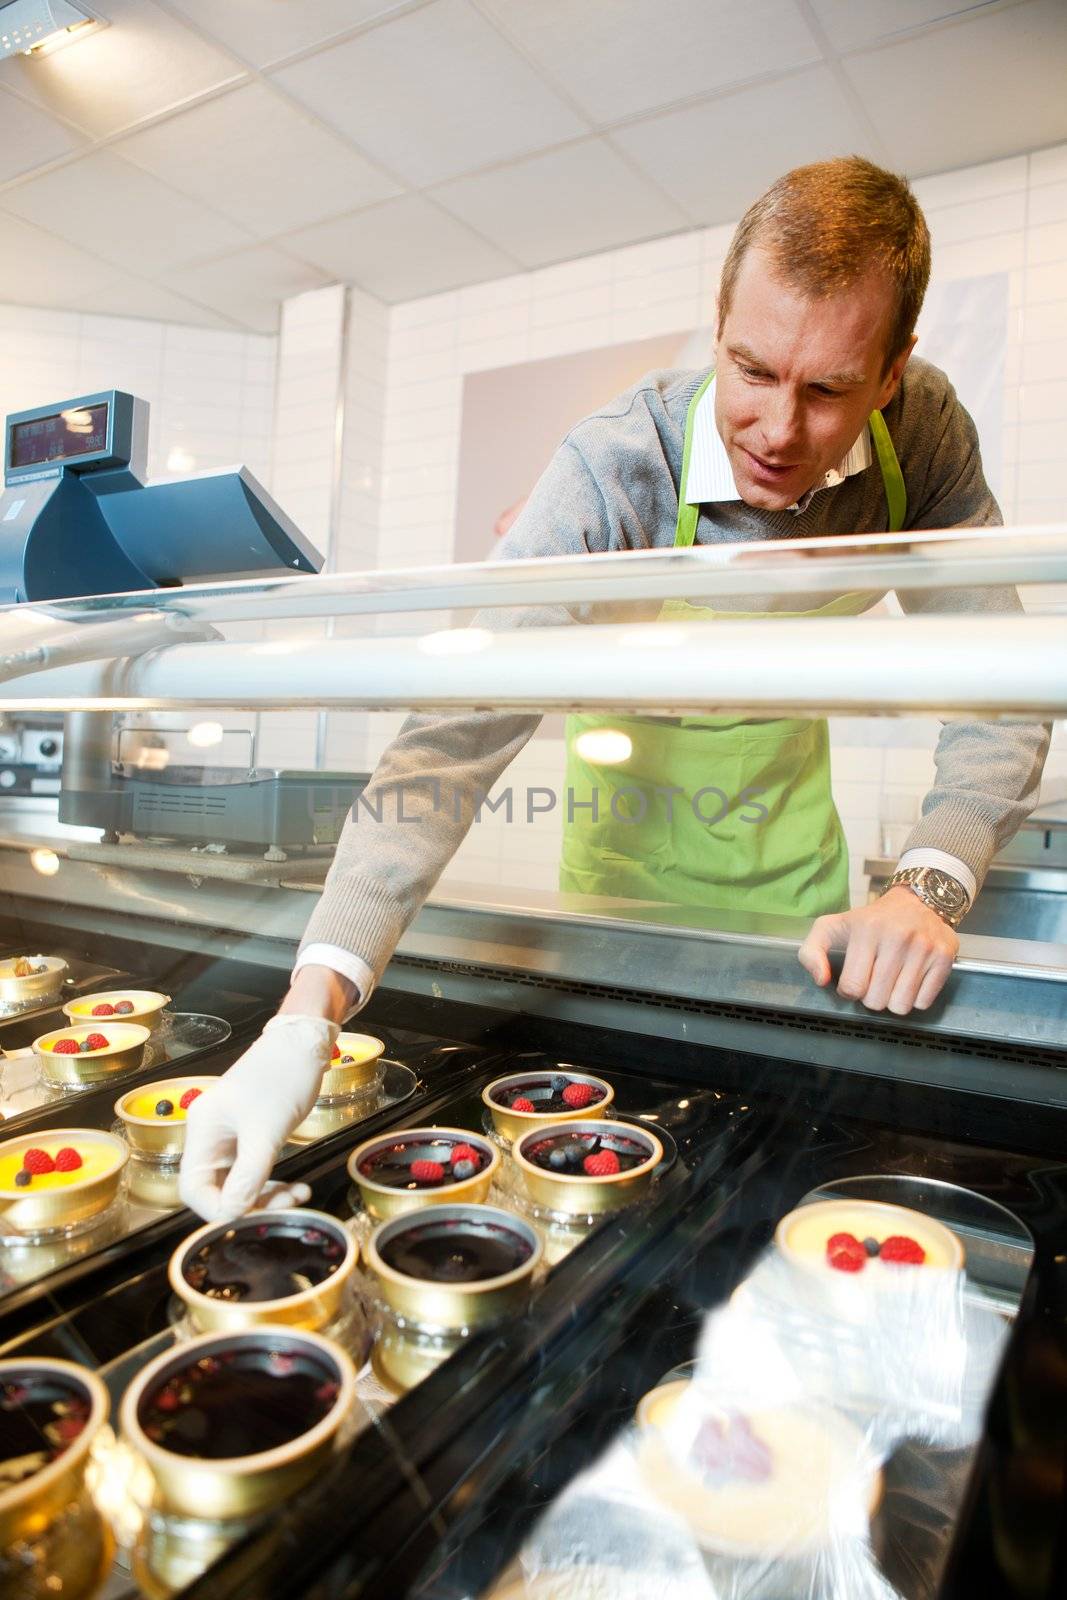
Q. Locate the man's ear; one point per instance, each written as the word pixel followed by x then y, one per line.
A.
pixel 891 381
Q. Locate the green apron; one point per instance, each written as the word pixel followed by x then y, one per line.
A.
pixel 718 811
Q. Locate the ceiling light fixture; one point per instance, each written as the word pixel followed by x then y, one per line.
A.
pixel 38 27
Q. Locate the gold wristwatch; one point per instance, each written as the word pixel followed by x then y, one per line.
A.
pixel 935 888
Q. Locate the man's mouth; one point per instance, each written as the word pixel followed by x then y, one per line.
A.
pixel 770 471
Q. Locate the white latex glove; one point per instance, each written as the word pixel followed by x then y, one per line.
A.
pixel 233 1131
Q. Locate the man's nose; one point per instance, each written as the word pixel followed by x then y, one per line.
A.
pixel 781 423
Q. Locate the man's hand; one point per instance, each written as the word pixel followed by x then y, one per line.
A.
pixel 898 952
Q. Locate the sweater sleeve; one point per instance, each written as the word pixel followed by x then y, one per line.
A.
pixel 988 773
pixel 420 803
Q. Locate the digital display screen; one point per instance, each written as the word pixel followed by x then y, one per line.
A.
pixel 81 432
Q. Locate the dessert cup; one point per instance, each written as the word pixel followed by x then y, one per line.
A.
pixel 147 1008
pixel 454 1267
pixel 36 989
pixel 124 1052
pixel 55 1200
pixel 380 1169
pixel 225 1273
pixel 571 1189
pixel 549 1109
pixel 156 1136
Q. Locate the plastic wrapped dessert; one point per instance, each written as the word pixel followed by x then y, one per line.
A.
pixel 353 1074
pixel 70 1058
pixel 415 1167
pixel 59 1179
pixel 153 1116
pixel 52 1540
pixel 866 1239
pixel 31 980
pixel 127 1005
pixel 455 1266
pixel 587 1167
pixel 238 1422
pixel 527 1100
pixel 770 1494
pixel 288 1267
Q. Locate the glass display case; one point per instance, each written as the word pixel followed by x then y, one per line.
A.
pixel 634 1263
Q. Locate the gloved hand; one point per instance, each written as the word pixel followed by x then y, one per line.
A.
pixel 234 1130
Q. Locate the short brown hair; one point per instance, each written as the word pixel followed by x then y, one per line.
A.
pixel 826 225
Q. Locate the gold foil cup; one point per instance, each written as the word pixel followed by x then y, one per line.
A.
pixel 323 1120
pixel 155 1183
pixel 400 1362
pixel 383 1201
pixel 237 1486
pixel 362 1073
pixel 158 1138
pixel 172 1552
pixel 511 1125
pixel 147 1008
pixel 576 1192
pixel 38 988
pixel 454 1306
pixel 125 1053
pixel 27 1508
pixel 312 1308
pixel 23 1211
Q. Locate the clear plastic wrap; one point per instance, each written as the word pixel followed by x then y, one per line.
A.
pixel 816 1448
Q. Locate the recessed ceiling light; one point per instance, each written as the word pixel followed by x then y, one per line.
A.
pixel 39 27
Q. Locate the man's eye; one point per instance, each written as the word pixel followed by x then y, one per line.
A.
pixel 751 372
pixel 828 394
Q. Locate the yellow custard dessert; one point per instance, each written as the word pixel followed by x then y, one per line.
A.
pixel 97 1160
pixel 145 1102
pixel 50 1044
pixel 806 1233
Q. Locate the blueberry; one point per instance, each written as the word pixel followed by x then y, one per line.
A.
pixel 464 1169
pixel 84 1045
pixel 164 1108
pixel 22 1178
pixel 559 1083
pixel 557 1159
pixel 575 1154
pixel 871 1246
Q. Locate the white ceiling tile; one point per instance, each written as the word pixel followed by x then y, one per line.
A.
pixel 561 204
pixel 987 87
pixel 29 137
pixel 401 250
pixel 698 157
pixel 122 214
pixel 144 63
pixel 433 94
pixel 260 159
pixel 617 58
pixel 262 31
pixel 246 285
pixel 39 270
pixel 851 24
pixel 132 297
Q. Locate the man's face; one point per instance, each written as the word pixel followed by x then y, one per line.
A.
pixel 796 379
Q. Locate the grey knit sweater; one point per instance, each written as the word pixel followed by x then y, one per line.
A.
pixel 613 486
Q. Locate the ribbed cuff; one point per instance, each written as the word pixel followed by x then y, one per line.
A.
pixel 358 915
pixel 959 829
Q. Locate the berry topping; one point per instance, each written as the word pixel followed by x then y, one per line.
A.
pixel 845 1252
pixel 38 1161
pixel 601 1165
pixel 557 1160
pixel 103 1010
pixel 346 1061
pixel 84 1047
pixel 335 1054
pixel 461 1170
pixel 188 1097
pixel 68 1159
pixel 466 1152
pixel 559 1083
pixel 871 1246
pixel 427 1171
pixel 579 1095
pixel 65 1047
pixel 164 1108
pixel 98 1041
pixel 23 1178
pixel 902 1250
pixel 122 1008
pixel 522 1104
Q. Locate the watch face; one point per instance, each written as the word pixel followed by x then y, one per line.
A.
pixel 949 894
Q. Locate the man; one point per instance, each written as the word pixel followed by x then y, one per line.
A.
pixel 812 422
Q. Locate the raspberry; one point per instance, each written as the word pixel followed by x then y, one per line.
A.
pixel 97 1041
pixel 522 1104
pixel 427 1171
pixel 68 1159
pixel 579 1095
pixel 38 1161
pixel 65 1047
pixel 602 1164
pixel 465 1152
pixel 188 1097
pixel 902 1250
pixel 104 1010
pixel 122 1009
pixel 335 1054
pixel 845 1252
